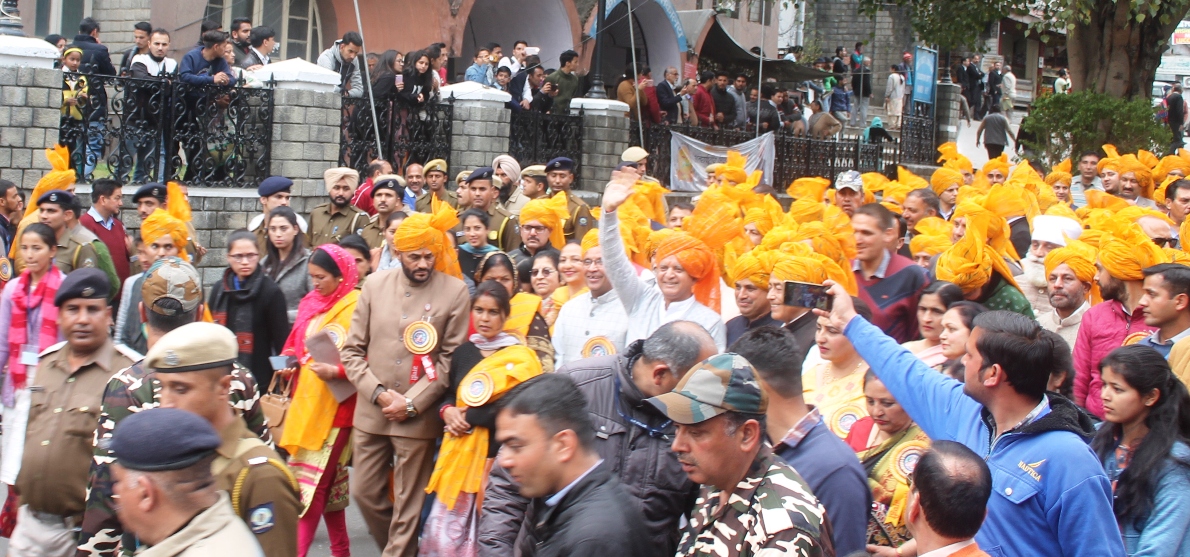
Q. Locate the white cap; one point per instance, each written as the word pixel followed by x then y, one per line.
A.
pixel 850 179
pixel 1055 230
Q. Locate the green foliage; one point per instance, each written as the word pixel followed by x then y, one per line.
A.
pixel 1066 125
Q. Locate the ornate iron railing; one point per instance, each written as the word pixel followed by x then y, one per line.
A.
pixel 535 138
pixel 408 133
pixel 797 156
pixel 917 135
pixel 151 130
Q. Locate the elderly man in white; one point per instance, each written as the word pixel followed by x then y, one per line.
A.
pixel 1049 232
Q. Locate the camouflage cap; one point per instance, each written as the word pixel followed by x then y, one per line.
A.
pixel 171 277
pixel 719 384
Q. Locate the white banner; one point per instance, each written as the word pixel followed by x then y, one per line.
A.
pixel 689 158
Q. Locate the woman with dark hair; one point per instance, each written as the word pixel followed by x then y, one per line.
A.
pixel 524 318
pixel 835 385
pixel 384 76
pixel 888 444
pixel 572 279
pixel 28 325
pixel 483 369
pixel 935 299
pixel 543 275
pixel 418 78
pixel 358 248
pixel 385 256
pixel 286 257
pixel 318 424
pixel 957 323
pixel 251 305
pixel 1143 446
pixel 474 247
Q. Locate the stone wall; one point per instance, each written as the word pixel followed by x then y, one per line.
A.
pixel 116 18
pixel 605 137
pixel 479 133
pixel 30 112
pixel 947 115
pixel 838 23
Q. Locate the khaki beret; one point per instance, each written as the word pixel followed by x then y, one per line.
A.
pixel 193 347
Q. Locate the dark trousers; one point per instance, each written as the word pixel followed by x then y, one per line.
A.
pixel 994 150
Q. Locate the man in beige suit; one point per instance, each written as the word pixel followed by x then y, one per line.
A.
pixel 406 327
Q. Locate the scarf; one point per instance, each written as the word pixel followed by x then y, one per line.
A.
pixel 234 306
pixel 18 329
pixel 501 340
pixel 314 304
pixel 487 248
pixel 387 260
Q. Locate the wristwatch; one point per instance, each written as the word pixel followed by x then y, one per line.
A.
pixel 410 411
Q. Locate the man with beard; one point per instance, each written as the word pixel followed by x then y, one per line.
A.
pixel 331 221
pixel 387 193
pixel 1117 321
pixel 401 383
pixel 1070 271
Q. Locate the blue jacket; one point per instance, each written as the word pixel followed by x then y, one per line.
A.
pixel 478 74
pixel 196 70
pixel 1164 531
pixel 1050 495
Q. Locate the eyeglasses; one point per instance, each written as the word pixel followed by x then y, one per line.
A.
pixel 243 257
pixel 533 228
pixel 544 272
pixel 1164 242
pixel 593 262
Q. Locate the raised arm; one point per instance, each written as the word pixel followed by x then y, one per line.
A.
pixel 615 259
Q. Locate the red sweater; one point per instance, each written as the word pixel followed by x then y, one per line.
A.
pixel 893 299
pixel 114 239
pixel 363 197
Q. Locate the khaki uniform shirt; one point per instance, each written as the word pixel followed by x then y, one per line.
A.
pixel 328 228
pixel 423 202
pixel 76 251
pixel 216 531
pixel 374 232
pixel 516 201
pixel 263 491
pixel 376 356
pixel 63 415
pixel 503 230
pixel 580 219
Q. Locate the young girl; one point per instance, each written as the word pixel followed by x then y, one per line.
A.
pixel 74 98
pixel 1143 447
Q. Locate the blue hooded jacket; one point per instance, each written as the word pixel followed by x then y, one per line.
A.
pixel 1050 495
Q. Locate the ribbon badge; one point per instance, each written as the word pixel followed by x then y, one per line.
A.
pixel 598 346
pixel 420 339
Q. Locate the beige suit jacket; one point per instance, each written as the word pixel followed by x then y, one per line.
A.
pixel 375 353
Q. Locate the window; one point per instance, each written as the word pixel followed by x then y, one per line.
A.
pixel 758 7
pixel 730 8
pixel 296 23
pixel 59 17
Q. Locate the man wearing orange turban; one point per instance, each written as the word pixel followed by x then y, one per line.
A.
pixel 996 170
pixel 686 269
pixel 165 235
pixel 750 276
pixel 1136 182
pixel 946 183
pixel 61 177
pixel 981 272
pixel 1071 275
pixel 542 218
pixel 798 320
pixel 950 158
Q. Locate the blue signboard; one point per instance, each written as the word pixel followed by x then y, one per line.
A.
pixel 925 68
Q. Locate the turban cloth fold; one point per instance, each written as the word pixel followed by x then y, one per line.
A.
pixel 813 187
pixel 929 244
pixel 970 262
pixel 949 155
pixel 550 212
pixel 821 240
pixel 799 268
pixel 60 176
pixel 995 229
pixel 511 168
pixel 910 180
pixel 1099 199
pixel 590 240
pixel 1007 200
pixel 176 203
pixel 428 231
pixel 999 163
pixel 1060 173
pixel 1170 163
pixel 1177 256
pixel 636 232
pixel 331 176
pixel 733 170
pixel 1125 251
pixel 1143 173
pixel 650 198
pixel 1110 160
pixel 1061 210
pixel 697 259
pixel 944 178
pixel 160 224
pixel 759 217
pixel 1159 192
pixel 778 237
pixel 805 209
pixel 750 267
pixel 1080 257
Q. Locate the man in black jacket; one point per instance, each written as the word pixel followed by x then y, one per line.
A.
pixel 667 96
pixel 548 440
pixel 975 80
pixel 140 38
pixel 96 61
pixel 769 118
pixel 631 436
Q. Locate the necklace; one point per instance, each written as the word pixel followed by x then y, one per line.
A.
pixel 829 377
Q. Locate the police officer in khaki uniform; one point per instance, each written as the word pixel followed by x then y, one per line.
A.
pixel 194 363
pixel 333 220
pixel 435 176
pixel 560 173
pixel 533 185
pixel 66 393
pixel 169 500
pixel 388 191
pixel 76 249
pixel 502 230
pixel 274 192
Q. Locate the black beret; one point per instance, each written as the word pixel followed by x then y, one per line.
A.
pixel 152 189
pixel 389 184
pixel 89 283
pixel 60 197
pixel 481 173
pixel 163 439
pixel 560 163
pixel 273 184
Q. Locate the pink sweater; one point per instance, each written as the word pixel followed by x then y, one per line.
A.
pixel 1104 328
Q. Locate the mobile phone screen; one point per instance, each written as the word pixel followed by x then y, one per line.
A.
pixel 807 295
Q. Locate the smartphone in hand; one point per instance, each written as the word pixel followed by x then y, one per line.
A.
pixel 807 295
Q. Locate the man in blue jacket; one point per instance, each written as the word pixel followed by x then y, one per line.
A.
pixel 203 65
pixel 1051 495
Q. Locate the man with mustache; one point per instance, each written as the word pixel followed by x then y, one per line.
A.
pixel 331 221
pixel 751 502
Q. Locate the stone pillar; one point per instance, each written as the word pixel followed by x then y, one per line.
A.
pixel 947 113
pixel 117 18
pixel 30 108
pixel 479 128
pixel 606 129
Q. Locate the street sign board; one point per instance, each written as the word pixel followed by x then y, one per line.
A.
pixel 925 70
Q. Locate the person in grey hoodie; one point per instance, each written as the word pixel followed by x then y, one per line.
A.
pixel 286 257
pixel 343 59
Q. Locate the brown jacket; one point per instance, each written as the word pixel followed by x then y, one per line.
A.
pixel 63 415
pixel 375 354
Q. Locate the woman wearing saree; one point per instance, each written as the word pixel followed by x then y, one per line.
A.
pixel 835 385
pixel 482 370
pixel 573 274
pixel 524 319
pixel 317 431
pixel 888 444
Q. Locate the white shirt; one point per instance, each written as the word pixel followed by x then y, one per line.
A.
pixel 948 550
pixel 259 219
pixel 1066 328
pixel 259 54
pixel 643 301
pixel 585 317
pixel 510 63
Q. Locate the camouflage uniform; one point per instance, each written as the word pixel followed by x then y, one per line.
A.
pixel 129 391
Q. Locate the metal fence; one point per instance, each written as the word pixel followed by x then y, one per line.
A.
pixel 409 133
pixel 917 135
pixel 152 130
pixel 797 156
pixel 535 138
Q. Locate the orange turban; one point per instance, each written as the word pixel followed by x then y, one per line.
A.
pixel 1170 163
pixel 999 163
pixel 944 178
pixel 1080 257
pixel 550 212
pixel 750 266
pixel 1007 200
pixel 969 263
pixel 60 177
pixel 910 180
pixel 650 197
pixel 929 244
pixel 160 224
pixel 1110 160
pixel 1099 199
pixel 805 209
pixel 1061 210
pixel 428 231
pixel 590 240
pixel 1159 192
pixel 1125 251
pixel 1060 173
pixel 822 240
pixel 176 202
pixel 697 259
pixel 759 217
pixel 949 154
pixel 1144 174
pixel 812 187
pixel 814 268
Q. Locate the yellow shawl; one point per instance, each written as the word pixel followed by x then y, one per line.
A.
pixel 312 412
pixel 524 307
